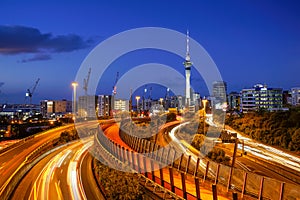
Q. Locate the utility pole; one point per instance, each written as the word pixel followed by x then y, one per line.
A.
pixel 234 151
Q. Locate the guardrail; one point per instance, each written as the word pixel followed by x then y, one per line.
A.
pixel 163 176
pixel 30 160
pixel 16 144
pixel 21 141
pixel 108 151
pixel 247 183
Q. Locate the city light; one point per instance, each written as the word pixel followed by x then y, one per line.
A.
pixel 137 102
pixel 74 84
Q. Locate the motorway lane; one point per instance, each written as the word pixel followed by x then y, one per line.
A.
pixel 23 190
pixel 246 163
pixel 88 181
pixel 12 159
pixel 59 179
pixel 267 152
pixel 270 160
pixel 57 175
pixel 30 185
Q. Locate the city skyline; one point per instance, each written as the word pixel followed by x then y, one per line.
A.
pixel 250 42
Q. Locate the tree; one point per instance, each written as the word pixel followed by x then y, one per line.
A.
pixel 198 141
pixel 296 140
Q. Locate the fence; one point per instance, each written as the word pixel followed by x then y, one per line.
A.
pixel 147 154
pixel 248 184
pixel 109 153
pixel 150 156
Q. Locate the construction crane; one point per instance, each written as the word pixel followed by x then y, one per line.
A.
pixel 86 82
pixel 150 93
pixel 30 93
pixel 1 83
pixel 114 92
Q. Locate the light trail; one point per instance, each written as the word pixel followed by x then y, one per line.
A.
pixel 47 177
pixel 74 180
pixel 186 150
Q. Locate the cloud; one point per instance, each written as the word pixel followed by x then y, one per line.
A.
pixel 37 57
pixel 21 39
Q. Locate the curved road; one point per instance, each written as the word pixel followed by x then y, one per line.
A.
pixel 12 159
pixel 64 174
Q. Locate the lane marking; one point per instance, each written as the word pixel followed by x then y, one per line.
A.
pixel 58 191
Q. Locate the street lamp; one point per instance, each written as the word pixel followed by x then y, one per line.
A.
pixel 74 84
pixel 161 101
pixel 137 102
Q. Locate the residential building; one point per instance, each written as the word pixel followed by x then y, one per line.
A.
pixel 104 105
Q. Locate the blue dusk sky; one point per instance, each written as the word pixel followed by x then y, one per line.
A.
pixel 250 41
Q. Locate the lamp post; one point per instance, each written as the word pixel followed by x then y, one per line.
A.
pixel 74 84
pixel 137 103
pixel 161 101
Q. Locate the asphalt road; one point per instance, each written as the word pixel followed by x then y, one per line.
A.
pixel 88 181
pixel 64 174
pixel 12 159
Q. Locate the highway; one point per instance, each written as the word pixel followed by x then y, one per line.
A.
pixel 254 162
pixel 13 159
pixel 64 174
pixel 261 159
pixel 268 161
pixel 268 153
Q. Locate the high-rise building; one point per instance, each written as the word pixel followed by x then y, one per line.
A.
pixel 187 65
pixel 260 97
pixel 287 97
pixel 87 106
pixel 220 90
pixel 295 96
pixel 248 100
pixel 104 105
pixel 234 101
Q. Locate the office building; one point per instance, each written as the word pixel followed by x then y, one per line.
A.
pixel 295 96
pixel 52 108
pixel 233 101
pixel 220 90
pixel 121 105
pixel 260 97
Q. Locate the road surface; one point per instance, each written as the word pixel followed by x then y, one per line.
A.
pixel 64 174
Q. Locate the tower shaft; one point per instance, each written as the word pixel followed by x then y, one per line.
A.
pixel 187 64
pixel 187 87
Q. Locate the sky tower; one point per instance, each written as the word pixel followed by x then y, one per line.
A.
pixel 187 65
